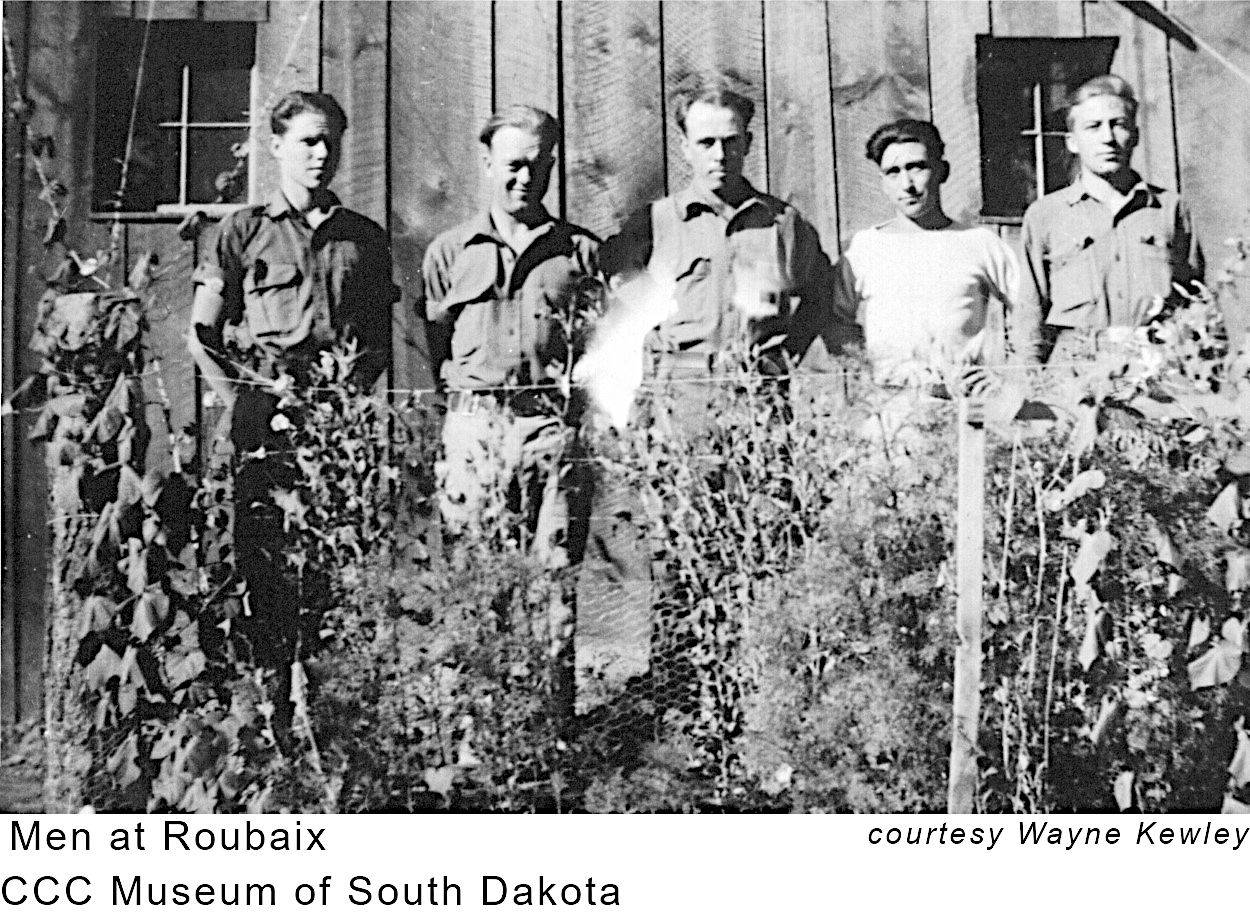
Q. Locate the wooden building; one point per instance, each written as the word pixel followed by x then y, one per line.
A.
pixel 418 79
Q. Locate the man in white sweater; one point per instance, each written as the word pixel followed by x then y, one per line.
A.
pixel 920 285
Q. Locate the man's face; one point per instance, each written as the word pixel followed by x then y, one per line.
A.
pixel 308 153
pixel 1103 134
pixel 715 143
pixel 912 180
pixel 518 170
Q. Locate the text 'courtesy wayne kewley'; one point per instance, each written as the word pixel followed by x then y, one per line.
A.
pixel 1145 833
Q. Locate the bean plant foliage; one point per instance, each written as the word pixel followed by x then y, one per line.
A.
pixel 801 647
pixel 1118 556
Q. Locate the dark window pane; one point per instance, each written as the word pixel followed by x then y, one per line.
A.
pixel 161 99
pixel 1008 69
pixel 1059 164
pixel 220 95
pixel 1054 105
pixel 209 155
pixel 1009 178
pixel 223 51
pixel 168 152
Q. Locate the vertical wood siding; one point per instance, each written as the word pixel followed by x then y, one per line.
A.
pixel 1213 127
pixel 612 69
pixel 55 33
pixel 800 112
pixel 419 79
pixel 953 28
pixel 15 523
pixel 442 83
pixel 712 41
pixel 527 66
pixel 880 55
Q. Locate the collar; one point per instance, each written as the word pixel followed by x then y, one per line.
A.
pixel 690 202
pixel 1076 192
pixel 482 228
pixel 280 206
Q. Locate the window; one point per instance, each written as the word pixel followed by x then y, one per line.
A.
pixel 191 115
pixel 1022 88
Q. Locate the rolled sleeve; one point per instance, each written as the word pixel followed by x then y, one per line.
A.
pixel 220 267
pixel 436 281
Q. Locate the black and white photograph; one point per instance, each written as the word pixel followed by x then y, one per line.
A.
pixel 557 406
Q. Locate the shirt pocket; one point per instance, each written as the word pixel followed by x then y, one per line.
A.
pixel 1075 289
pixel 693 289
pixel 1152 268
pixel 271 298
pixel 472 277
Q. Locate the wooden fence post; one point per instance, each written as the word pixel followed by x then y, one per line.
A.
pixel 969 558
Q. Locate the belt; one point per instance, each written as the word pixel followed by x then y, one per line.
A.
pixel 524 403
pixel 710 363
pixel 687 361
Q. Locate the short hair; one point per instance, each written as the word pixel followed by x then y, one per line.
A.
pixel 1107 84
pixel 297 102
pixel 720 96
pixel 523 117
pixel 905 130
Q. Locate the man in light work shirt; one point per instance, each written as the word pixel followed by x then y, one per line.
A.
pixel 289 277
pixel 1100 252
pixel 922 285
pixel 747 276
pixel 746 267
pixel 507 294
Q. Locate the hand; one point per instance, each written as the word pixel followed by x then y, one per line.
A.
pixel 974 381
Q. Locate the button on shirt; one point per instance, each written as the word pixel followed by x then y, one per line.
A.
pixel 1090 266
pixel 503 308
pixel 290 284
pixel 763 245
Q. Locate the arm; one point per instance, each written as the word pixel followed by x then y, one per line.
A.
pixel 1187 240
pixel 208 318
pixel 629 251
pixel 1003 281
pixel 1028 313
pixel 436 282
pixel 218 300
pixel 373 332
pixel 828 304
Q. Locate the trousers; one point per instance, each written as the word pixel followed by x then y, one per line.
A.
pixel 525 476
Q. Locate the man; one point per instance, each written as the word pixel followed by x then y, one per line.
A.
pixel 1100 252
pixel 921 285
pixel 740 273
pixel 506 294
pixel 288 277
pixel 746 269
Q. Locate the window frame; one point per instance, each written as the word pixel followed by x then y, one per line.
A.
pixel 996 82
pixel 171 211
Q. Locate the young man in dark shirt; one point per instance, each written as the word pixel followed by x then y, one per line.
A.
pixel 286 279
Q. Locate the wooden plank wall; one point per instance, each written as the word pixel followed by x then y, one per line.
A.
pixel 1213 128
pixel 59 48
pixel 15 33
pixel 880 72
pixel 419 79
pixel 612 58
pixel 441 93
